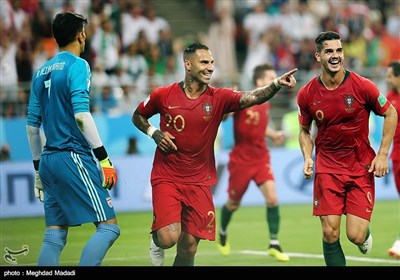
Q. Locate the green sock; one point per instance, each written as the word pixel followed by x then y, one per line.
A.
pixel 225 217
pixel 333 254
pixel 273 219
pixel 183 262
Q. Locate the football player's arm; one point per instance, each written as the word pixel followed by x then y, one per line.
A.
pixel 306 145
pixel 380 164
pixel 163 139
pixel 277 136
pixel 36 147
pixel 265 93
pixel 87 126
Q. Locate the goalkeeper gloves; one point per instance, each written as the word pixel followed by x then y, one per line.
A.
pixel 39 193
pixel 110 176
pixel 38 187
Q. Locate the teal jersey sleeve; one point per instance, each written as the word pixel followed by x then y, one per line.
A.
pixel 80 84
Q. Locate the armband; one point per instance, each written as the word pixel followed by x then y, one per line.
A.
pixel 36 164
pixel 276 83
pixel 151 130
pixel 100 153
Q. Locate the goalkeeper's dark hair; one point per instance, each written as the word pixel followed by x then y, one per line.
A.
pixel 65 27
pixel 325 36
pixel 259 71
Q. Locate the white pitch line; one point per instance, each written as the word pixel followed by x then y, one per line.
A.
pixel 243 252
pixel 315 256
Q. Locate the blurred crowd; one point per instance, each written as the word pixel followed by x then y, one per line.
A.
pixel 132 49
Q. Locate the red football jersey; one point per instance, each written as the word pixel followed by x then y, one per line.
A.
pixel 249 130
pixel 342 118
pixel 394 98
pixel 194 123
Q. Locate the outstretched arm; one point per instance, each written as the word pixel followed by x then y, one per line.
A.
pixel 265 93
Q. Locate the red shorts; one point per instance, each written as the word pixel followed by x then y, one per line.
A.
pixel 396 173
pixel 240 176
pixel 337 194
pixel 190 205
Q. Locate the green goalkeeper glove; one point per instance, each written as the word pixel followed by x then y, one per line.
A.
pixel 110 176
pixel 39 193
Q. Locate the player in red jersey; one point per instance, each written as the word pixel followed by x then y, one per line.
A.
pixel 184 164
pixel 250 160
pixel 339 101
pixel 393 81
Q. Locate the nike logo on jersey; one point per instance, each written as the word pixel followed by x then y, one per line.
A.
pixel 173 107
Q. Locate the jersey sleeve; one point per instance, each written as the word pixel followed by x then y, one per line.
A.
pixel 304 117
pixel 149 106
pixel 378 102
pixel 231 98
pixel 33 115
pixel 79 85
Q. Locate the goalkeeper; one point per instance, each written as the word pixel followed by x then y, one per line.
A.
pixel 74 188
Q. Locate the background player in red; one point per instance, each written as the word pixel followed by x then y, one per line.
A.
pixel 393 81
pixel 250 160
pixel 184 165
pixel 339 101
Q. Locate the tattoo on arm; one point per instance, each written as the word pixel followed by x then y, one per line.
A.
pixel 158 136
pixel 140 122
pixel 258 96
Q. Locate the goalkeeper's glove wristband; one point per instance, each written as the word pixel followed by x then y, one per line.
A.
pixel 110 176
pixel 36 164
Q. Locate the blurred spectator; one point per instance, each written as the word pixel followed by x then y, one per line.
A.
pixel 5 153
pixel 16 108
pixel 157 64
pixel 255 23
pixel 8 64
pixel 136 68
pixel 105 101
pixel 393 21
pixel 301 23
pixel 356 51
pixel 132 23
pixel 24 57
pixel 132 146
pixel 221 41
pixel 165 43
pixel 41 22
pixel 106 46
pixel 12 15
pixel 154 25
pixel 258 52
pixel 305 59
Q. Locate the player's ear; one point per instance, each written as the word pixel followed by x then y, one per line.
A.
pixel 317 57
pixel 81 37
pixel 187 64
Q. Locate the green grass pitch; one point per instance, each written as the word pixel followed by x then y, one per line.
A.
pixel 300 238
